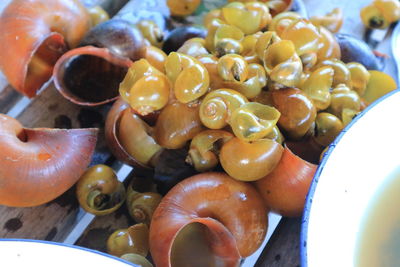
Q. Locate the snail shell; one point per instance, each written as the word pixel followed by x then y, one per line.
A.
pixel 113 141
pixel 99 191
pixel 284 190
pixel 90 75
pixel 38 165
pixel 231 210
pixel 34 34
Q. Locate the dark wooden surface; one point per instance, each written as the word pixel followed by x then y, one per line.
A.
pixel 8 98
pixel 282 249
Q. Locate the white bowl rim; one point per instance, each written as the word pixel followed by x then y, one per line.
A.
pixel 74 247
pixel 313 186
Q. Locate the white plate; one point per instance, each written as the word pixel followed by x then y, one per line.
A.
pixel 347 178
pixel 24 253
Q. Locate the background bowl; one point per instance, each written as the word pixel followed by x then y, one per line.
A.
pixel 25 252
pixel 352 170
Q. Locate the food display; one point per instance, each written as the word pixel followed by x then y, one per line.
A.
pixel 246 104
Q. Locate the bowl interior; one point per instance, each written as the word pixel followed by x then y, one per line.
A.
pixel 353 169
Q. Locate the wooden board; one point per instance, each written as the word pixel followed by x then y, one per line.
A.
pixel 283 249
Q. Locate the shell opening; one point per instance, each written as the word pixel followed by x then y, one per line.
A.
pixel 21 135
pixel 40 67
pixel 98 200
pixel 89 78
pixel 192 242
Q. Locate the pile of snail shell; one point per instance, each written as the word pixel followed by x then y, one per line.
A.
pixel 253 105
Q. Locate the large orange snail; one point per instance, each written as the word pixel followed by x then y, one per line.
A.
pixel 34 34
pixel 38 165
pixel 284 190
pixel 230 212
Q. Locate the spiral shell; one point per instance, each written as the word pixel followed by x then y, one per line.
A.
pixel 231 212
pixel 189 77
pixel 217 107
pixel 141 206
pixel 204 149
pixel 318 86
pixel 253 121
pixel 282 63
pixel 99 192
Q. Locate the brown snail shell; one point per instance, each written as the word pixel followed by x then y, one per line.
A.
pixel 134 239
pixel 90 75
pixel 112 125
pixel 99 191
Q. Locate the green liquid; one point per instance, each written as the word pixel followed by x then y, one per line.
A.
pixel 378 243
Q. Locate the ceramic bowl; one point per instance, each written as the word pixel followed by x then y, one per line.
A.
pixel 24 252
pixel 346 182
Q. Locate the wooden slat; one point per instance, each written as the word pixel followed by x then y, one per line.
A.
pixel 54 220
pixel 282 250
pixel 46 222
pixel 113 7
pixel 96 235
pixel 3 82
pixel 8 98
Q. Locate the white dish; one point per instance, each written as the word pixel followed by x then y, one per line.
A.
pixel 351 172
pixel 24 252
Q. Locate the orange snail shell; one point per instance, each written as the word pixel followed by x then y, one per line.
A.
pixel 232 211
pixel 284 190
pixel 38 29
pixel 38 165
